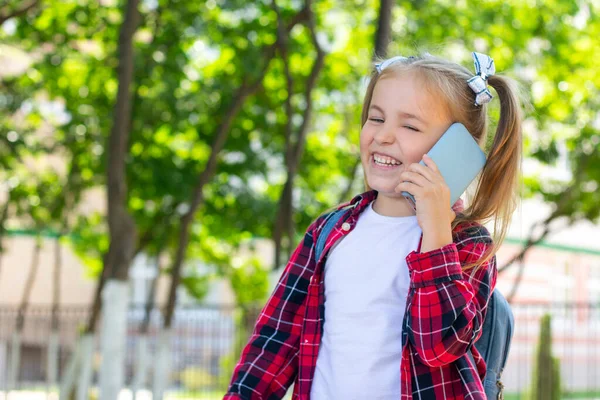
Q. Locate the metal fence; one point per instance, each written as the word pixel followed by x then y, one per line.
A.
pixel 575 342
pixel 206 341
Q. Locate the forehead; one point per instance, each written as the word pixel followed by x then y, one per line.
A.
pixel 407 92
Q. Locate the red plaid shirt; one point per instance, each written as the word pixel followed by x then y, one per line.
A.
pixel 444 315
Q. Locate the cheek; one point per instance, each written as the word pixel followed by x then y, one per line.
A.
pixel 365 139
pixel 415 154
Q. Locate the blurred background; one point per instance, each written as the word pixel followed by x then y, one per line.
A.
pixel 161 159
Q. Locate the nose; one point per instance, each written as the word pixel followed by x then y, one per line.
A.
pixel 385 135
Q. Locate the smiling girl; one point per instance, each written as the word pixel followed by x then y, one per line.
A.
pixel 392 308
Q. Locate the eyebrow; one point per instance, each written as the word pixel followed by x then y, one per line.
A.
pixel 401 113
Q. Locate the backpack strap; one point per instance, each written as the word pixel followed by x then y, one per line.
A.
pixel 494 343
pixel 332 220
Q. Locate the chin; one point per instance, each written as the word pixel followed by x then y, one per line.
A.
pixel 386 188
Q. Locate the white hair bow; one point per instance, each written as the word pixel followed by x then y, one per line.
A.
pixel 484 67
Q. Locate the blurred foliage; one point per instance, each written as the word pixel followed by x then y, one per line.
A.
pixel 197 378
pixel 190 59
pixel 250 282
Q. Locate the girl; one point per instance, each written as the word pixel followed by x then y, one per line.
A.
pixel 392 310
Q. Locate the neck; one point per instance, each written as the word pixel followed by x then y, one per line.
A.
pixel 392 206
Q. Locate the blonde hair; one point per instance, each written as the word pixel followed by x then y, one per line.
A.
pixel 496 195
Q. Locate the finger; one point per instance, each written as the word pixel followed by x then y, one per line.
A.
pixel 425 171
pixel 415 178
pixel 430 163
pixel 409 187
pixel 431 168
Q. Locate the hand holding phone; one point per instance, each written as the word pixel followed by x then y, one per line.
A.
pixel 458 158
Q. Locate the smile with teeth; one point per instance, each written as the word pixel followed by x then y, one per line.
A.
pixel 385 161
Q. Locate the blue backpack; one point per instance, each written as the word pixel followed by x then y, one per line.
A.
pixel 497 331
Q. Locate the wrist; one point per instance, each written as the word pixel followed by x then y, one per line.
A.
pixel 436 238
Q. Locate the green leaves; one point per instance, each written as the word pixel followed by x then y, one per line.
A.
pixel 249 281
pixel 190 61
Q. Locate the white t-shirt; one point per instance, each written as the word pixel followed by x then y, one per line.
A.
pixel 366 286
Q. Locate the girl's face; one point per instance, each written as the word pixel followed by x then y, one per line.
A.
pixel 404 122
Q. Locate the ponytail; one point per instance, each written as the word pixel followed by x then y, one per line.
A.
pixel 496 195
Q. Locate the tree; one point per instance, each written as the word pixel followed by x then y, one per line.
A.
pixel 294 142
pixel 546 378
pixel 121 226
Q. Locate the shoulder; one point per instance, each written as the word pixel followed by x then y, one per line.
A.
pixel 319 223
pixel 356 205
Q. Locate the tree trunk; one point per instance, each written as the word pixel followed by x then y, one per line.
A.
pixel 294 147
pixel 3 218
pixel 345 196
pixel 162 365
pixel 142 364
pixel 53 343
pixel 3 364
pixel 71 372
pixel 121 226
pixel 56 283
pixel 112 338
pixel 280 222
pixel 53 351
pixel 78 363
pixel 150 300
pixel 122 230
pixel 85 367
pixel 384 28
pixel 143 354
pixel 35 264
pixel 97 302
pixel 15 354
pixel 52 361
pixel 14 362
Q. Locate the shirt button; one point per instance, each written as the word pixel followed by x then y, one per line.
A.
pixel 346 226
pixel 306 341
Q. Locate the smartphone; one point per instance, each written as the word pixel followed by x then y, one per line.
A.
pixel 459 159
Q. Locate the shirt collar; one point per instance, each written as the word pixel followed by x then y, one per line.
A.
pixel 361 201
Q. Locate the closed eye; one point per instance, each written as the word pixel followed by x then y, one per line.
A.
pixel 379 120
